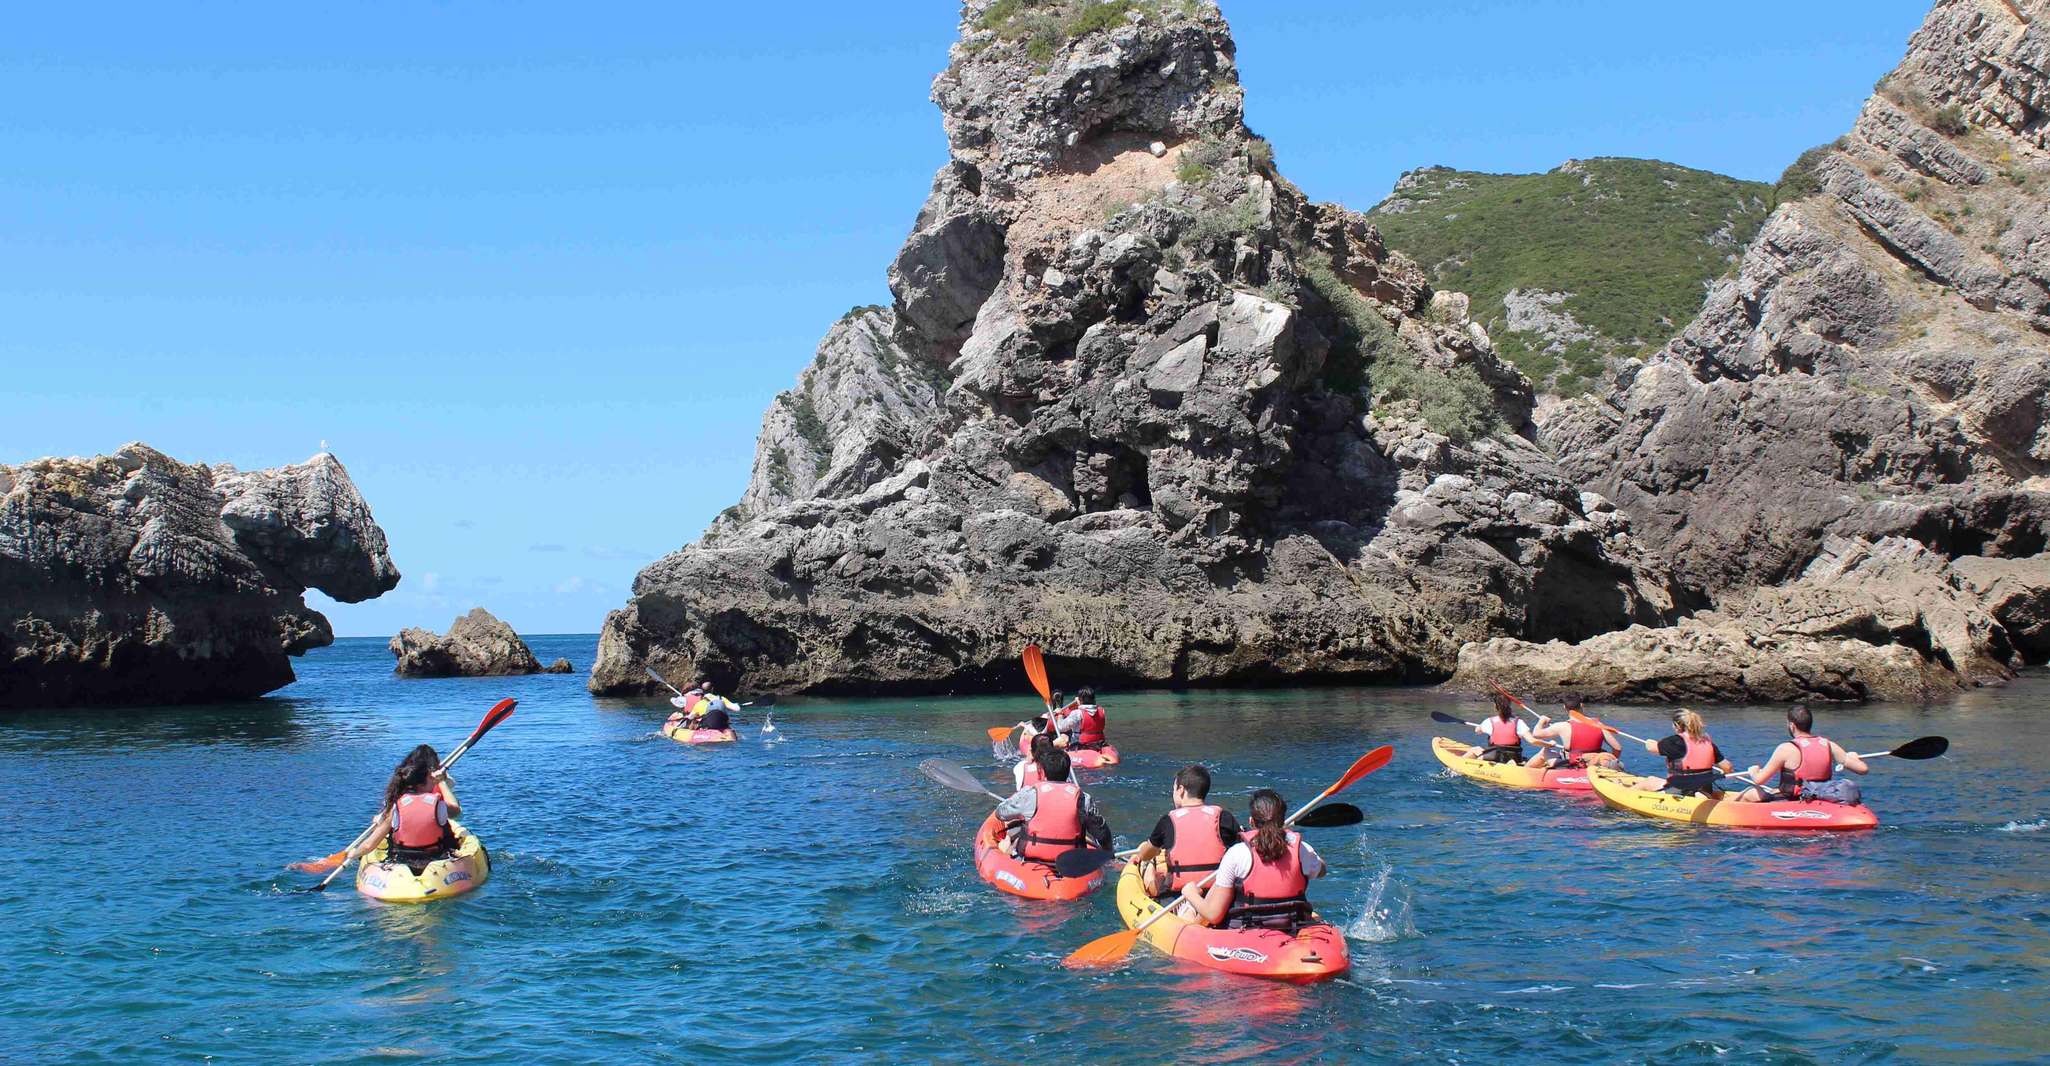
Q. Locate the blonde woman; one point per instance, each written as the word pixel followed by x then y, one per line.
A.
pixel 1693 762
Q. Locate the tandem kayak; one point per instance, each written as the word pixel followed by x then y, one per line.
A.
pixel 701 736
pixel 1032 880
pixel 1080 758
pixel 1618 790
pixel 1313 953
pixel 463 870
pixel 1556 778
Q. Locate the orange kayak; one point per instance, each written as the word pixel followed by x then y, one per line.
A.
pixel 1018 877
pixel 1313 953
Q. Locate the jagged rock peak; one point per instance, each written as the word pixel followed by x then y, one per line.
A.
pixel 1140 399
pixel 135 578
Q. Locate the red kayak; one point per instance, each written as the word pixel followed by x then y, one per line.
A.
pixel 1032 880
pixel 1080 758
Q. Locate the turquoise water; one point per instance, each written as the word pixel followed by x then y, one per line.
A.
pixel 812 898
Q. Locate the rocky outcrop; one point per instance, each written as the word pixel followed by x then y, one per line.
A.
pixel 135 578
pixel 1877 368
pixel 1140 400
pixel 477 645
pixel 559 666
pixel 1891 620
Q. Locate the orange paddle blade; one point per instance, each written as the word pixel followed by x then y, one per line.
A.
pixel 1595 722
pixel 999 732
pixel 1103 951
pixel 1035 669
pixel 319 866
pixel 1364 765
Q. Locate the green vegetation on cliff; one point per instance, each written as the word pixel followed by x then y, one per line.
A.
pixel 1630 243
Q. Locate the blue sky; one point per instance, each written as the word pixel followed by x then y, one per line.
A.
pixel 534 271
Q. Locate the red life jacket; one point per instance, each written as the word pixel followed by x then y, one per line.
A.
pixel 1273 892
pixel 1197 848
pixel 692 699
pixel 1700 753
pixel 1033 775
pixel 1092 727
pixel 1502 733
pixel 1584 739
pixel 1056 823
pixel 1817 764
pixel 426 826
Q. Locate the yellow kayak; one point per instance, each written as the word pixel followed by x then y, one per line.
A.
pixel 1557 778
pixel 1312 953
pixel 394 882
pixel 1619 790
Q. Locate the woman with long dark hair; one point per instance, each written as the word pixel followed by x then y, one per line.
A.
pixel 419 804
pixel 1263 881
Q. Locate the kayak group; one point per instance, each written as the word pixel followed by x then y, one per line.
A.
pixel 1799 786
pixel 1203 886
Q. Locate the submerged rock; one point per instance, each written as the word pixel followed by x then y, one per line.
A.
pixel 477 645
pixel 135 578
pixel 1139 399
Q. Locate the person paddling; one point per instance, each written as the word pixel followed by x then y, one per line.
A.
pixel 1584 744
pixel 1263 881
pixel 1693 762
pixel 1051 817
pixel 1191 838
pixel 1506 735
pixel 1805 765
pixel 419 807
pixel 1081 723
pixel 1027 771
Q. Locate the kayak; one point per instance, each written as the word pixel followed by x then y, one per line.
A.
pixel 1555 778
pixel 1032 880
pixel 701 736
pixel 1091 758
pixel 468 867
pixel 1313 953
pixel 1617 790
pixel 1079 758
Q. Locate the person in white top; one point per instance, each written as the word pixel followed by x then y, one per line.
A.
pixel 1263 881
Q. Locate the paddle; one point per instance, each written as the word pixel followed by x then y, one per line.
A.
pixel 1914 751
pixel 998 733
pixel 1604 727
pixel 1112 949
pixel 499 712
pixel 1441 716
pixel 665 682
pixel 1083 861
pixel 1035 671
pixel 955 777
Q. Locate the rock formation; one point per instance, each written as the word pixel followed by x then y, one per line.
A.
pixel 1140 400
pixel 559 666
pixel 1875 375
pixel 135 578
pixel 477 645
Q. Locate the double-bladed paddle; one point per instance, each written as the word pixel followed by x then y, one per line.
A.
pixel 955 777
pixel 1082 862
pixel 499 712
pixel 1914 751
pixel 1112 949
pixel 1035 671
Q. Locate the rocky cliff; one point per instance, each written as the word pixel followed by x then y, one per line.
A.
pixel 134 578
pixel 1870 385
pixel 1140 400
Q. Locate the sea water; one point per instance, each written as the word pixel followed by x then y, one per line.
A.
pixel 806 895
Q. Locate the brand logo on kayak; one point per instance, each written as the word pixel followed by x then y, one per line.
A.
pixel 456 877
pixel 1236 955
pixel 1785 816
pixel 1573 780
pixel 374 881
pixel 1011 879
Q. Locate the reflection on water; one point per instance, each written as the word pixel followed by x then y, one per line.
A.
pixel 813 899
